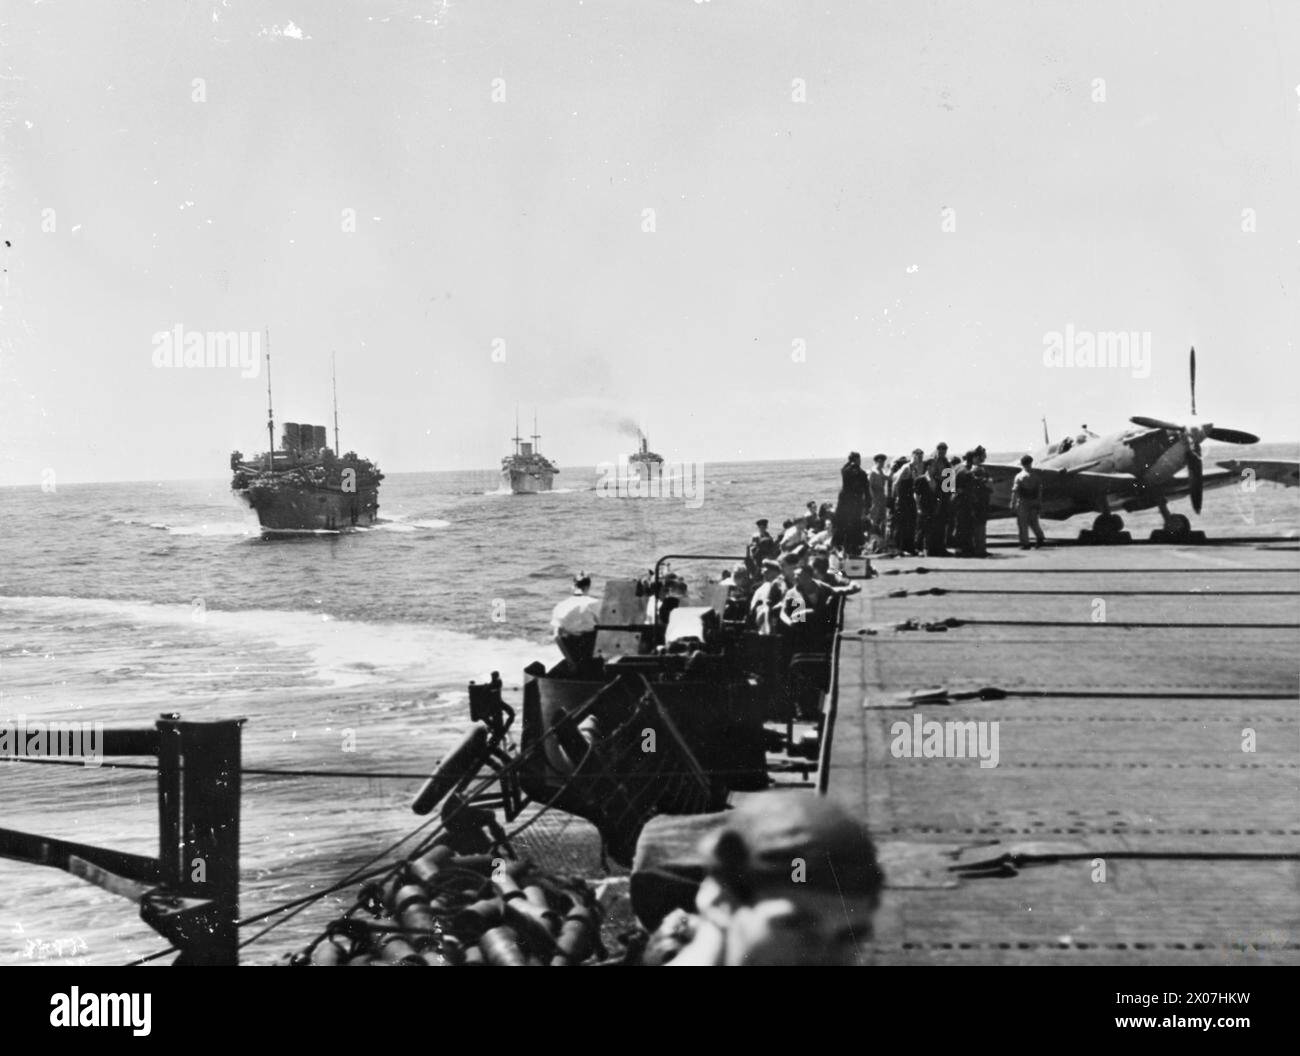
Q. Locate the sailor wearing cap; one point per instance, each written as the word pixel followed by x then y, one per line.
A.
pixel 761 546
pixel 573 622
pixel 789 879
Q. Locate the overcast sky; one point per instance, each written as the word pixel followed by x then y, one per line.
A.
pixel 958 181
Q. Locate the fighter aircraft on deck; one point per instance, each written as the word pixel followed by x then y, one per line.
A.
pixel 1137 469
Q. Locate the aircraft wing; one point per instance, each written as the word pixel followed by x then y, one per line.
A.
pixel 1234 471
pixel 1278 470
pixel 1066 492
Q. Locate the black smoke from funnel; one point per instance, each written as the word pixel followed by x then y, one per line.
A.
pixel 627 427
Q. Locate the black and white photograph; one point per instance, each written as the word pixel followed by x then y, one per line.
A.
pixel 651 483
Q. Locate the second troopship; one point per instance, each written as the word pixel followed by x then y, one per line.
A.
pixel 527 471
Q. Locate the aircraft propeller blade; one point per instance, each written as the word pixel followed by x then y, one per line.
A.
pixel 1194 473
pixel 1154 423
pixel 1192 367
pixel 1231 436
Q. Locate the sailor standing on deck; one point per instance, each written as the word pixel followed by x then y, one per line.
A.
pixel 1027 501
pixel 963 507
pixel 878 488
pixel 981 494
pixel 573 622
pixel 761 547
pixel 851 505
pixel 942 480
pixel 905 499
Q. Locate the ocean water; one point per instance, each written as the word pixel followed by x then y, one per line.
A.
pixel 119 602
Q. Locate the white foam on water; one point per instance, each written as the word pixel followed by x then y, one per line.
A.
pixel 223 528
pixel 400 523
pixel 505 490
pixel 342 653
pixel 215 529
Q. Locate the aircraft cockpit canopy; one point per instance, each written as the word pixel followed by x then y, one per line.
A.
pixel 1064 444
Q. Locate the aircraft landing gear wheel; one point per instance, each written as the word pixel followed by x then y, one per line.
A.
pixel 1106 530
pixel 1177 529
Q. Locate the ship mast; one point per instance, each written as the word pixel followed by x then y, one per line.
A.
pixel 270 413
pixel 334 378
pixel 537 448
pixel 517 437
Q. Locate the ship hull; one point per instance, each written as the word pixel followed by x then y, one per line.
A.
pixel 311 509
pixel 525 482
pixel 645 468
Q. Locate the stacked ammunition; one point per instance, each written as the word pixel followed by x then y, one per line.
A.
pixel 444 909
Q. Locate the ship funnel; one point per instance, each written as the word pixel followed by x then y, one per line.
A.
pixel 525 449
pixel 318 438
pixel 289 437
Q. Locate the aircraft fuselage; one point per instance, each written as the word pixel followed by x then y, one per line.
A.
pixel 1151 456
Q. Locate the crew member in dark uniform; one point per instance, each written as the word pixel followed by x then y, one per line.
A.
pixel 851 506
pixel 981 496
pixel 931 509
pixel 761 547
pixel 924 502
pixel 905 503
pixel 962 505
pixel 941 523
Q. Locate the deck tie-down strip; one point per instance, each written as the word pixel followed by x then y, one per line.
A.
pixel 975 621
pixel 922 570
pixel 959 763
pixel 942 830
pixel 942 695
pixel 1061 944
pixel 1187 592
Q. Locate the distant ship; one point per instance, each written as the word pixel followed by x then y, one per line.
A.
pixel 645 463
pixel 305 486
pixel 528 471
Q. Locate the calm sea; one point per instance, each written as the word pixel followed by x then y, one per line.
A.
pixel 122 601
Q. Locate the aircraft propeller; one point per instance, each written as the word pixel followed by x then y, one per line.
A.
pixel 1194 431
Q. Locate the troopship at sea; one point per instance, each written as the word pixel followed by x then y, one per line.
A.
pixel 305 485
pixel 528 471
pixel 645 463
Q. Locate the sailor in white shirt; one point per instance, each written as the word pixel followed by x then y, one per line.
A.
pixel 573 622
pixel 766 597
pixel 795 535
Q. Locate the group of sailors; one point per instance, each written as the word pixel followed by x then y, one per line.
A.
pixel 792 593
pixel 919 505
